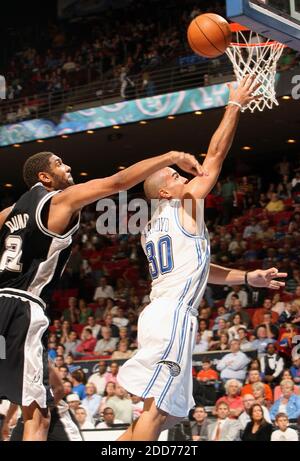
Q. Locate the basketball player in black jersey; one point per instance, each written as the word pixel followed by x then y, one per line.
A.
pixel 35 244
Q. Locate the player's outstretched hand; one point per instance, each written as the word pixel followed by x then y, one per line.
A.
pixel 189 164
pixel 245 91
pixel 261 278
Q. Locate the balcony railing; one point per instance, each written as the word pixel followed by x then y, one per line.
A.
pixel 189 72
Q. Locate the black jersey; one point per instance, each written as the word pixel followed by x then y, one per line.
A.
pixel 32 258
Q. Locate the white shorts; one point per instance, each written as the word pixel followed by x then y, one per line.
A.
pixel 162 366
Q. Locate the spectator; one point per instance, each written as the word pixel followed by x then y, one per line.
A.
pixel 108 323
pixel 277 391
pixel 289 403
pixel 98 379
pixel 121 404
pixel 233 365
pixel 52 350
pixel 72 313
pixel 71 343
pixel 258 429
pixel 92 401
pixel 224 429
pixel 122 352
pixel 260 343
pixel 104 290
pixel 233 398
pixel 248 402
pixel 242 337
pixel 207 373
pixel 112 374
pixel 73 401
pixel 200 424
pixel 272 330
pixel 68 387
pixel 252 229
pixel 107 345
pixel 120 320
pixel 260 394
pixel 110 391
pixel 109 419
pixel 271 365
pixel 59 361
pixel 242 295
pixel 295 370
pixel 284 433
pixel 287 315
pixel 77 379
pixel 275 205
pixel 205 333
pixel 65 330
pixel 222 344
pixel 84 312
pixel 238 309
pixel 254 377
pixel 200 345
pixel 222 315
pixel 82 419
pixel 63 372
pixel 233 331
pixel 92 325
pixel 258 316
pixel 87 345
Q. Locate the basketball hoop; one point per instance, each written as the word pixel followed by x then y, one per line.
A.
pixel 250 55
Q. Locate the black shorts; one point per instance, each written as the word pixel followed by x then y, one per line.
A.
pixel 24 370
pixel 62 428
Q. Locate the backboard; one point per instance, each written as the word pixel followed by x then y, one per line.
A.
pixel 276 19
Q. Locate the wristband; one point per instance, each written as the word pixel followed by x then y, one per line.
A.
pixel 234 103
pixel 246 279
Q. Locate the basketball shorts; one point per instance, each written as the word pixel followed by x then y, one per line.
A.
pixel 162 366
pixel 63 427
pixel 24 361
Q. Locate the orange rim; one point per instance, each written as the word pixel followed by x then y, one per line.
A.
pixel 236 27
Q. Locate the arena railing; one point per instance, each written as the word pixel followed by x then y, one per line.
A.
pixel 186 74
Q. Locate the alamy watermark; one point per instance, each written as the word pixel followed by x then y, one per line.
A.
pixel 296 87
pixel 2 348
pixel 2 87
pixel 131 217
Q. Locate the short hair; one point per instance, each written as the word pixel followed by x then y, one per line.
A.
pixel 281 415
pixel 232 381
pixel 34 165
pixel 218 404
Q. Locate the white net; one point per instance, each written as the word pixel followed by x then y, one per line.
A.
pixel 250 55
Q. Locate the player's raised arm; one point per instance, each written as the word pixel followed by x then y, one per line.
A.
pixel 67 203
pixel 223 138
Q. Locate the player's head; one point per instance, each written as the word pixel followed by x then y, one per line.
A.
pixel 49 169
pixel 165 184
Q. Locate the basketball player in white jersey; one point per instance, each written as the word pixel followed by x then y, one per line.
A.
pixel 177 246
pixel 35 244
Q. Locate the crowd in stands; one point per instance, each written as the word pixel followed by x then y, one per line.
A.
pixel 246 370
pixel 121 47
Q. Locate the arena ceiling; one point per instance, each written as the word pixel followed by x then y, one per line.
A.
pixel 101 153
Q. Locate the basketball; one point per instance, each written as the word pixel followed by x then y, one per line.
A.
pixel 209 35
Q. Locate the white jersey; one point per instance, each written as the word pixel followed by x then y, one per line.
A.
pixel 178 261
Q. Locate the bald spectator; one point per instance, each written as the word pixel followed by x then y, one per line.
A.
pixel 258 316
pixel 109 419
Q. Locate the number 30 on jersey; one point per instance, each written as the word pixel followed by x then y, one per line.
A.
pixel 160 256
